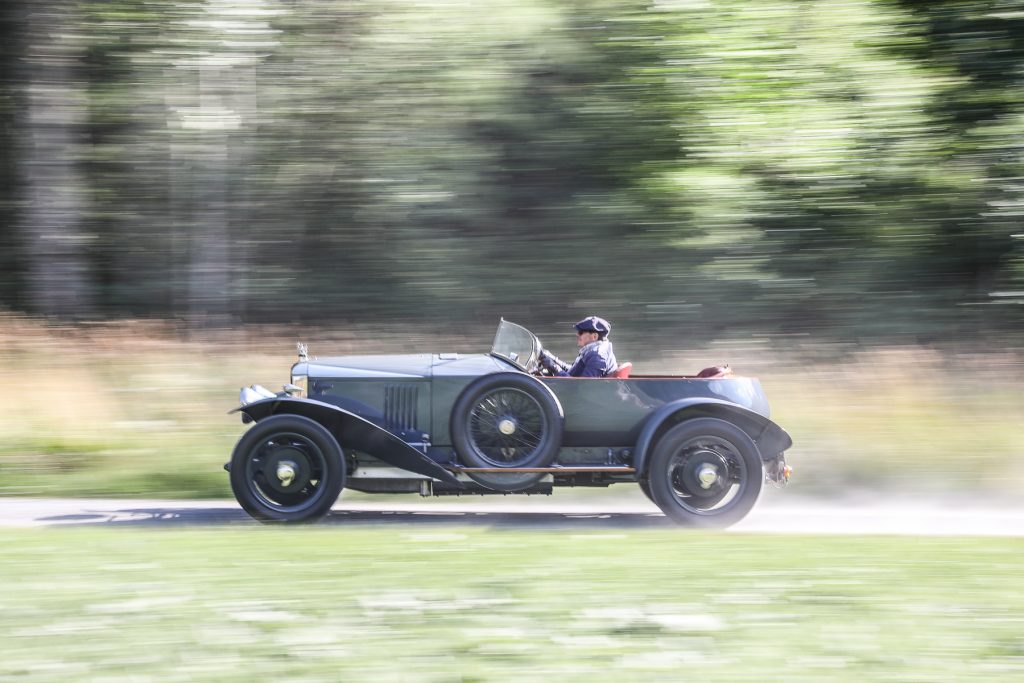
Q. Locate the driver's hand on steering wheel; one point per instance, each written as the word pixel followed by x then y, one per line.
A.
pixel 545 363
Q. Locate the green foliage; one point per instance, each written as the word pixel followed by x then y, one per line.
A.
pixel 709 167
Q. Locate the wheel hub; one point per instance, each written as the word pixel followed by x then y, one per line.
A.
pixel 702 473
pixel 507 426
pixel 286 472
pixel 707 474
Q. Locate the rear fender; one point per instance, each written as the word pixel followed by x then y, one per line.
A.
pixel 771 439
pixel 353 432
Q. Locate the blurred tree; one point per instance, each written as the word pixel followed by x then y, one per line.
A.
pixel 138 257
pixel 11 49
pixel 844 169
pixel 981 44
pixel 59 282
pixel 568 148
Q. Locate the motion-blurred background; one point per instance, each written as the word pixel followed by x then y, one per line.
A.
pixel 827 194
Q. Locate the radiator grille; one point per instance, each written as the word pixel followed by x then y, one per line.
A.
pixel 400 407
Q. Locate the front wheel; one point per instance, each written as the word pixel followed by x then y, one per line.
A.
pixel 705 472
pixel 287 468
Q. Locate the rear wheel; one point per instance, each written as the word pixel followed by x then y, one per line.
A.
pixel 646 488
pixel 705 472
pixel 287 468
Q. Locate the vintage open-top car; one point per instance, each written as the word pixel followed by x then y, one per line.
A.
pixel 700 447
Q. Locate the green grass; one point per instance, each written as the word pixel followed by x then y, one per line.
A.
pixel 401 603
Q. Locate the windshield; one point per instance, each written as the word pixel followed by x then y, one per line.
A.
pixel 517 345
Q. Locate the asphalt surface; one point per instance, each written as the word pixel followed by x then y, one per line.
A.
pixel 774 514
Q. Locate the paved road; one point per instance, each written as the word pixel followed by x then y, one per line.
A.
pixel 774 514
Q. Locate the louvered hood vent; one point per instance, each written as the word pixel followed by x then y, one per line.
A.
pixel 400 403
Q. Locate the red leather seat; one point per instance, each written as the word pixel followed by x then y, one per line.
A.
pixel 621 372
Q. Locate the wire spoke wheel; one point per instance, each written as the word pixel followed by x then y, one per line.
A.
pixel 506 427
pixel 506 420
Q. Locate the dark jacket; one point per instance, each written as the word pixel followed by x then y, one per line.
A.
pixel 596 359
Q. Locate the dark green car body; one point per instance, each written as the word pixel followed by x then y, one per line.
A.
pixel 393 418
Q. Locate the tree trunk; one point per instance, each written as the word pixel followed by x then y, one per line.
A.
pixel 54 193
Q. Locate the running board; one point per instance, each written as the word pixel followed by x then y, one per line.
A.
pixel 546 470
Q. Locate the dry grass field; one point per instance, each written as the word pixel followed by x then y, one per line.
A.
pixel 141 408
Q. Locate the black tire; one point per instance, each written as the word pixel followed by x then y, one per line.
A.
pixel 275 448
pixel 707 502
pixel 718 449
pixel 507 420
pixel 646 488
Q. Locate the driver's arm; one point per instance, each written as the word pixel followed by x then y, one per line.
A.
pixel 553 363
pixel 594 361
pixel 588 364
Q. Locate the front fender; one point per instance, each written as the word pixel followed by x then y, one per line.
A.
pixel 352 431
pixel 770 438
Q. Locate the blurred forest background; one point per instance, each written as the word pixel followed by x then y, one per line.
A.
pixel 825 193
pixel 845 169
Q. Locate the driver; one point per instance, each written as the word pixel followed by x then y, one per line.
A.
pixel 596 358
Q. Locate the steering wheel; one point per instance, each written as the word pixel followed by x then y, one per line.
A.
pixel 542 371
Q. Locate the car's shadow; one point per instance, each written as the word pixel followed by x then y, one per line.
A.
pixel 169 516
